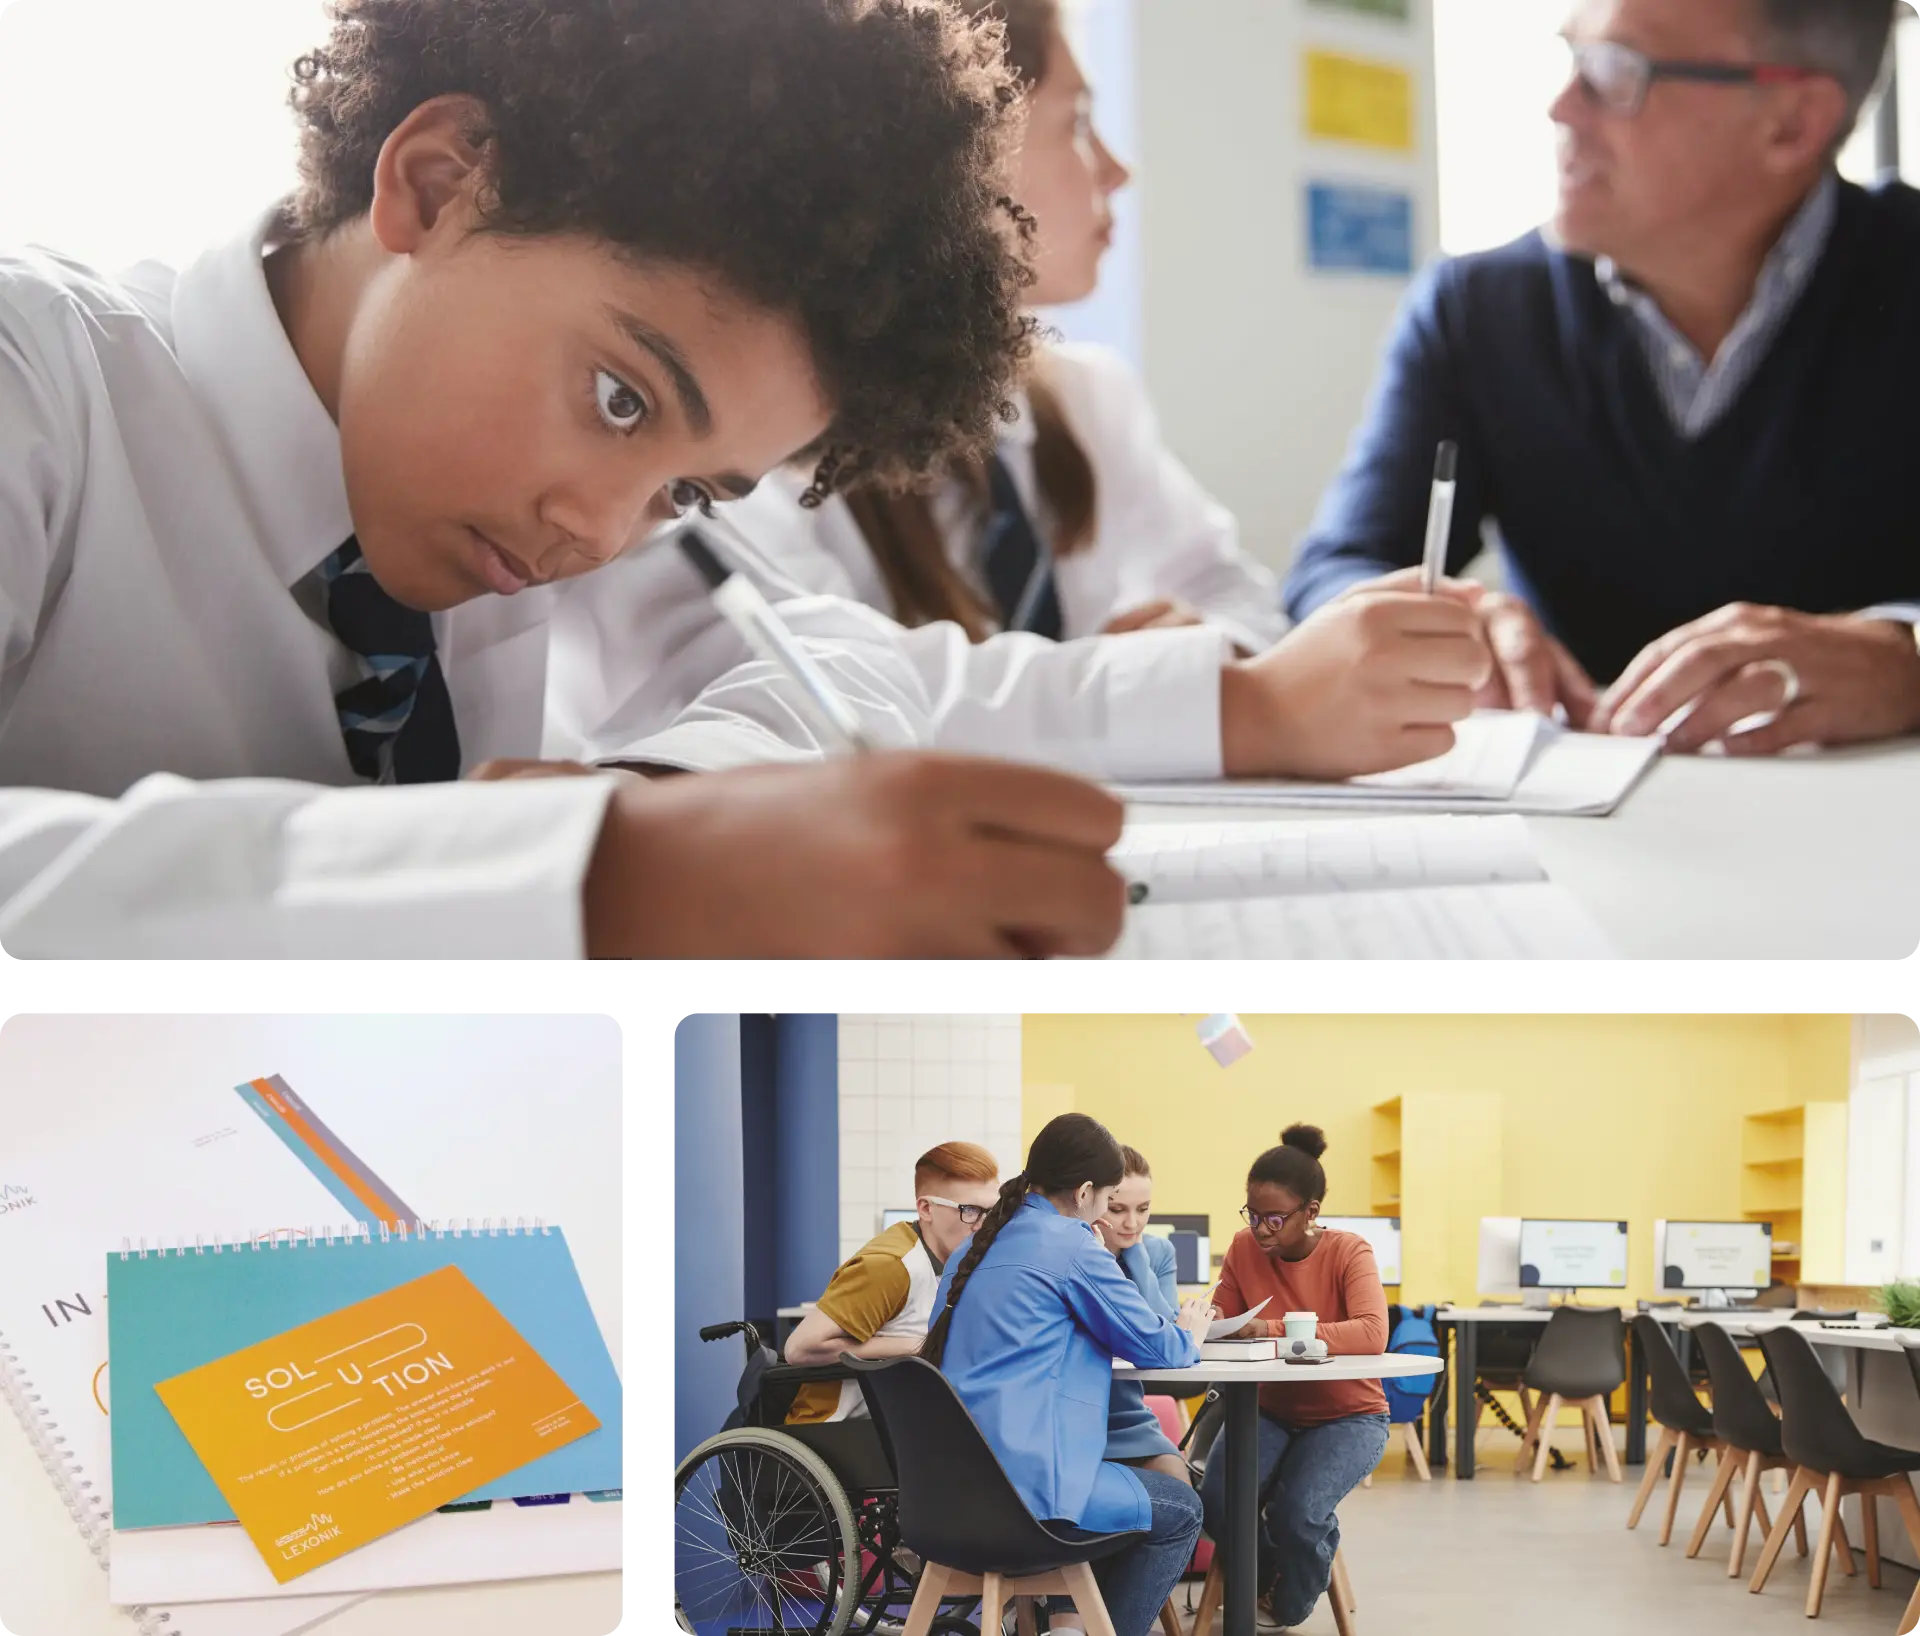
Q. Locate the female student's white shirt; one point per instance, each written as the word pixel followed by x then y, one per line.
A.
pixel 1157 533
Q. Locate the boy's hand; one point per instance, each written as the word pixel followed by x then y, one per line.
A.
pixel 1372 681
pixel 872 857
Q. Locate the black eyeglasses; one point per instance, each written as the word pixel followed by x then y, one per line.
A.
pixel 1619 78
pixel 1273 1223
pixel 969 1214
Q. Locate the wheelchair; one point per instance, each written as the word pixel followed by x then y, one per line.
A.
pixel 785 1530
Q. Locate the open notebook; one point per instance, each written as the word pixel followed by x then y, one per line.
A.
pixel 1503 761
pixel 1375 889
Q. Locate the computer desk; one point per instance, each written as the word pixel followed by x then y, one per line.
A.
pixel 1798 857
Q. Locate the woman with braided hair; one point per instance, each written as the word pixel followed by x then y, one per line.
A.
pixel 1028 1324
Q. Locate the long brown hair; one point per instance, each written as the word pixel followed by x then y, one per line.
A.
pixel 898 525
pixel 1069 1150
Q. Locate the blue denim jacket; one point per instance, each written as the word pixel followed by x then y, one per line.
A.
pixel 1031 1350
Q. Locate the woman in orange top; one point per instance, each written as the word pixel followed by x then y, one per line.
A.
pixel 1317 1439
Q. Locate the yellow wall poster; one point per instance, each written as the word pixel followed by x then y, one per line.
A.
pixel 1351 99
pixel 338 1431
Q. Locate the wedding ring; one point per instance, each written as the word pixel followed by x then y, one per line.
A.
pixel 1789 682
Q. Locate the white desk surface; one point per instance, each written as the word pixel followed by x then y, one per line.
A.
pixel 1881 1339
pixel 1498 1315
pixel 547 1144
pixel 1270 1371
pixel 1803 857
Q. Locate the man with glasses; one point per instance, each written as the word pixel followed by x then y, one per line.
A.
pixel 880 1302
pixel 1689 405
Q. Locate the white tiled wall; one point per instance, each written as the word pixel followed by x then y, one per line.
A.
pixel 908 1084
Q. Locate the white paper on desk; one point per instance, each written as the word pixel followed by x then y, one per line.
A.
pixel 1221 1328
pixel 1189 863
pixel 1534 921
pixel 1561 774
pixel 507 1541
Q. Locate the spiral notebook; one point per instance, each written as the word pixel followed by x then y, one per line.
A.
pixel 70 1186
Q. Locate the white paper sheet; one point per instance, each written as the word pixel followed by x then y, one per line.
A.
pixel 1221 1328
pixel 1183 863
pixel 1503 763
pixel 1528 921
pixel 507 1541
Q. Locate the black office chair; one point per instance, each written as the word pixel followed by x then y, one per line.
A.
pixel 962 1516
pixel 1835 1367
pixel 1581 1358
pixel 1686 1430
pixel 1830 1453
pixel 1749 1431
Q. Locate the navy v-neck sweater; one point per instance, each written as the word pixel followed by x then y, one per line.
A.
pixel 1617 530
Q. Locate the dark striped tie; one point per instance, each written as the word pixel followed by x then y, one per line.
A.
pixel 1016 563
pixel 397 718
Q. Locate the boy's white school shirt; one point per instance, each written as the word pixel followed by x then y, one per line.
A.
pixel 173 779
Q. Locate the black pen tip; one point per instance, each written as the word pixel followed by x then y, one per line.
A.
pixel 1446 462
pixel 695 549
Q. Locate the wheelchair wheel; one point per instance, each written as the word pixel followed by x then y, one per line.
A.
pixel 764 1542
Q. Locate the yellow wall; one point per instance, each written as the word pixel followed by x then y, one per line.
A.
pixel 1637 1117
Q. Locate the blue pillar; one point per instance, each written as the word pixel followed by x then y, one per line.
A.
pixel 708 1250
pixel 806 1155
pixel 760 1171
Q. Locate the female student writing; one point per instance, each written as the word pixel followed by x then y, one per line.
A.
pixel 301 518
pixel 1082 520
pixel 1029 1322
pixel 1324 1439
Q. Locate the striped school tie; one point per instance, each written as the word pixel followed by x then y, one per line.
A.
pixel 397 718
pixel 1017 566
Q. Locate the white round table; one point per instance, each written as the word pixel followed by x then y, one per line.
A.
pixel 1239 1387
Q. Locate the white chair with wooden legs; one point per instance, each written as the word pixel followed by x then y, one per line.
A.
pixel 1339 1597
pixel 1581 1360
pixel 1832 1458
pixel 1749 1430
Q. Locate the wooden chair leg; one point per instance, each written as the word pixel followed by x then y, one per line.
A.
pixel 1842 1545
pixel 1870 1533
pixel 1903 1497
pixel 1415 1452
pixel 1603 1435
pixel 1587 1437
pixel 993 1603
pixel 1682 1457
pixel 1340 1598
pixel 1651 1475
pixel 1024 1622
pixel 926 1598
pixel 1367 1481
pixel 1544 1442
pixel 1212 1593
pixel 1087 1600
pixel 1722 1482
pixel 1797 1492
pixel 1345 1583
pixel 1743 1516
pixel 1823 1556
pixel 1169 1621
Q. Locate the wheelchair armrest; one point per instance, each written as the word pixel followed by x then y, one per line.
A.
pixel 797 1374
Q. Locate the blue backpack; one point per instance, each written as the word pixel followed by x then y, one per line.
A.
pixel 1414 1333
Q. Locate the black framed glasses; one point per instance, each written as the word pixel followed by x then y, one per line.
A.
pixel 970 1214
pixel 1273 1223
pixel 1619 78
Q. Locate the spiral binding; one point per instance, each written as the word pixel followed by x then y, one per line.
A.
pixel 83 1502
pixel 348 1233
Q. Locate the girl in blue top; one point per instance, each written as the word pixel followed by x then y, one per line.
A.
pixel 1133 1431
pixel 1029 1322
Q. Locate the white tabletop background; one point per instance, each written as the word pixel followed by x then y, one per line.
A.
pixel 1811 857
pixel 461 1116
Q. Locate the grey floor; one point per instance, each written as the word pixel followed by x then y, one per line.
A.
pixel 1501 1557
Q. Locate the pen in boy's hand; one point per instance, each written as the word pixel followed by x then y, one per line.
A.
pixel 1433 559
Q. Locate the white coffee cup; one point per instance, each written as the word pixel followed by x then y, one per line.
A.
pixel 1300 1326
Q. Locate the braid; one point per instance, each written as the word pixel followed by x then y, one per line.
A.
pixel 1012 1192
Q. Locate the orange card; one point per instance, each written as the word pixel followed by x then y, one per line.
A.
pixel 336 1432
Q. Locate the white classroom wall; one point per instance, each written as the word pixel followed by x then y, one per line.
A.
pixel 908 1084
pixel 1259 367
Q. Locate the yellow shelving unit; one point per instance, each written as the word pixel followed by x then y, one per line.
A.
pixel 1435 1162
pixel 1793 1175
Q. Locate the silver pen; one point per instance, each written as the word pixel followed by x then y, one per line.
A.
pixel 766 633
pixel 1433 560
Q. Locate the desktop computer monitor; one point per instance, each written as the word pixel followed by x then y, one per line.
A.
pixel 1716 1255
pixel 1382 1232
pixel 1573 1254
pixel 893 1218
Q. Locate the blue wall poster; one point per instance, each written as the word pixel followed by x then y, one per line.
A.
pixel 1355 229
